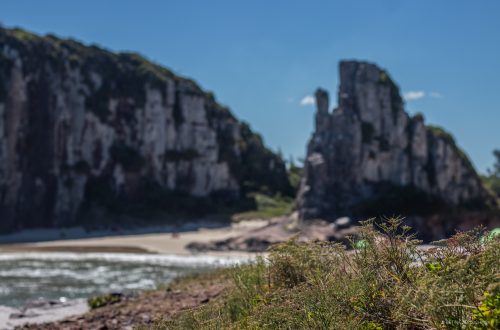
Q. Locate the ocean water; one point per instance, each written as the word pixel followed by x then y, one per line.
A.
pixel 59 276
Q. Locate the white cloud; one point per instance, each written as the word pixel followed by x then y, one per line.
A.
pixel 413 95
pixel 308 101
pixel 435 95
pixel 417 95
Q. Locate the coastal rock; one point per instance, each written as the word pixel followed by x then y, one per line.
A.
pixel 368 157
pixel 277 231
pixel 84 128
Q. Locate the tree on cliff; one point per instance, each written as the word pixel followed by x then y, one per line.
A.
pixel 496 166
pixel 492 180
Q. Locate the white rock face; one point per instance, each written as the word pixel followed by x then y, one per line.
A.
pixel 80 125
pixel 369 144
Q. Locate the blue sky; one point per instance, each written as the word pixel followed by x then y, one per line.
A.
pixel 262 58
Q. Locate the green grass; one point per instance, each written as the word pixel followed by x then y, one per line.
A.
pixel 386 283
pixel 267 207
pixel 104 300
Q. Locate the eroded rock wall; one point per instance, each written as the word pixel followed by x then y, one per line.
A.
pixel 368 151
pixel 82 127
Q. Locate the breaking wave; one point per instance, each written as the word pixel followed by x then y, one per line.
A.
pixel 32 275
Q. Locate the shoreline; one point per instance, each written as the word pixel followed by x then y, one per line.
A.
pixel 41 312
pixel 163 244
pixel 132 241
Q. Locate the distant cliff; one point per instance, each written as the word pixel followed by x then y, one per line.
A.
pixel 83 128
pixel 369 157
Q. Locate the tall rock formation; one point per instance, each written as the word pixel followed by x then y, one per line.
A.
pixel 82 127
pixel 369 157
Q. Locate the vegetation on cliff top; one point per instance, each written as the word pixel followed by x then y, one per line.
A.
pixel 123 74
pixel 385 283
pixel 441 133
pixel 78 53
pixel 124 77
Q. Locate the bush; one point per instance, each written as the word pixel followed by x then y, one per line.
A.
pixel 385 283
pixel 104 300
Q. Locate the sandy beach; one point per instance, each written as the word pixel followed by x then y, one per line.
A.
pixel 163 243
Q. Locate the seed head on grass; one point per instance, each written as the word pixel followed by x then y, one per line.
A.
pixel 385 283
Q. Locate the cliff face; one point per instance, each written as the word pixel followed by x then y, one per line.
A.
pixel 81 127
pixel 369 157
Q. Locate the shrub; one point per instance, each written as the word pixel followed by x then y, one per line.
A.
pixel 104 300
pixel 386 283
pixel 487 314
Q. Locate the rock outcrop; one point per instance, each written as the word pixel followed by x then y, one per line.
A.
pixel 369 157
pixel 84 128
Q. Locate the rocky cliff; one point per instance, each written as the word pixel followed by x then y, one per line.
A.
pixel 84 128
pixel 369 157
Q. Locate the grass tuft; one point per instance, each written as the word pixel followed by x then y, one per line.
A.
pixel 387 282
pixel 104 300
